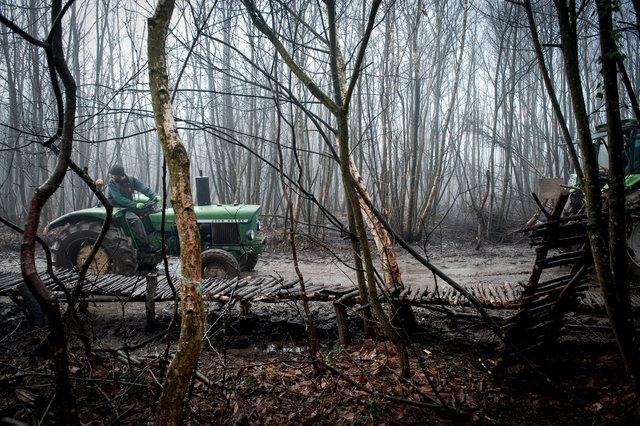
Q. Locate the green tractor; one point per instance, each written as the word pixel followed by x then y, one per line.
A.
pixel 228 235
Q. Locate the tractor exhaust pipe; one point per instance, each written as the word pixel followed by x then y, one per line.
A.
pixel 203 193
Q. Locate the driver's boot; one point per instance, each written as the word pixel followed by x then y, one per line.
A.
pixel 149 257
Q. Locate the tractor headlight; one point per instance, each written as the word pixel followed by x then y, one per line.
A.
pixel 250 235
pixel 257 225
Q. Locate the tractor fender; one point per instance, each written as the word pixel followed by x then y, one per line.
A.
pixel 97 214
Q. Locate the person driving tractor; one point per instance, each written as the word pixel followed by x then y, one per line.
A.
pixel 121 190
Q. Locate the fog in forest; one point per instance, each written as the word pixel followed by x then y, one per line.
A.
pixel 449 117
pixel 335 124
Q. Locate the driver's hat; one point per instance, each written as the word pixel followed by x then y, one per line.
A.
pixel 117 170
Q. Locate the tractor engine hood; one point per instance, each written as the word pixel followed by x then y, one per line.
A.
pixel 220 213
pixel 241 214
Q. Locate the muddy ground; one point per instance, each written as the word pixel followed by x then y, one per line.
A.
pixel 257 369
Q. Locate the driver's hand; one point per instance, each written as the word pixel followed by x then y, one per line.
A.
pixel 159 198
pixel 139 205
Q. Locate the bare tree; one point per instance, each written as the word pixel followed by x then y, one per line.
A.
pixel 66 108
pixel 340 110
pixel 186 357
pixel 613 281
pixel 435 185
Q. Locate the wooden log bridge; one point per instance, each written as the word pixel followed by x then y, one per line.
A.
pixel 118 288
pixel 155 288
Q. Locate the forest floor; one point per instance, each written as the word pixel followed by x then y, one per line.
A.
pixel 257 369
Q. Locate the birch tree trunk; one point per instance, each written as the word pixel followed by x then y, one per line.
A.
pixel 185 360
pixel 414 129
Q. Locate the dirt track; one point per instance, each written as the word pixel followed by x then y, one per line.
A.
pixel 251 353
pixel 491 264
pixel 495 263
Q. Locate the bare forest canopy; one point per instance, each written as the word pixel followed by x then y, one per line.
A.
pixel 234 99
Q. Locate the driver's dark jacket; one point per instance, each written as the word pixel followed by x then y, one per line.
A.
pixel 121 192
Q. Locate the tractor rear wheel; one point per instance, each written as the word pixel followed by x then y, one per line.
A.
pixel 116 254
pixel 219 264
pixel 248 261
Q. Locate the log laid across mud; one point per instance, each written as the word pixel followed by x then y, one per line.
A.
pixel 271 289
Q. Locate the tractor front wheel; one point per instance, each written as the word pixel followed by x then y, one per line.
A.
pixel 116 254
pixel 219 264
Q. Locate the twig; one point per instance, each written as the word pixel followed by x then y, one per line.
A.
pixel 377 393
pixel 47 409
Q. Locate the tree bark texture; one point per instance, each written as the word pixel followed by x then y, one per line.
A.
pixel 616 293
pixel 596 225
pixel 607 238
pixel 185 359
